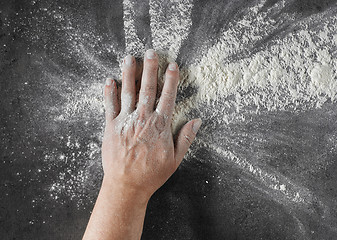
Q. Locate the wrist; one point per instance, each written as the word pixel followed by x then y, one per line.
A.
pixel 125 192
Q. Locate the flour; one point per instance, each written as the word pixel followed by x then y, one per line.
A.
pixel 126 102
pixel 124 124
pixel 241 74
pixel 133 44
pixel 290 192
pixel 295 72
pixel 170 24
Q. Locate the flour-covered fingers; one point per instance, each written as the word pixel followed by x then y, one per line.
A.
pixel 169 92
pixel 111 102
pixel 128 93
pixel 148 89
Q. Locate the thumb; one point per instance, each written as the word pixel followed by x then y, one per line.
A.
pixel 185 138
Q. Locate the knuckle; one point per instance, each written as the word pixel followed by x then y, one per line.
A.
pixel 142 115
pixel 168 95
pixel 172 75
pixel 150 89
pixel 188 139
pixel 160 123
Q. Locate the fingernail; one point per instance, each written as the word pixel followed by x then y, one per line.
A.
pixel 150 54
pixel 172 66
pixel 128 60
pixel 108 82
pixel 196 125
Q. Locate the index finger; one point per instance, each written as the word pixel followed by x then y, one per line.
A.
pixel 168 95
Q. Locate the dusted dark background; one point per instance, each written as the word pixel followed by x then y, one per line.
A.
pixel 50 161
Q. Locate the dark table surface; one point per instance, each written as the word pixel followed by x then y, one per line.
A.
pixel 54 58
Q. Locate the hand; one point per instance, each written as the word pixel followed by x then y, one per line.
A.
pixel 138 150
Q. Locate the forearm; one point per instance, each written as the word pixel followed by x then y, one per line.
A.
pixel 118 213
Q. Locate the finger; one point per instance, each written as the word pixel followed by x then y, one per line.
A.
pixel 169 92
pixel 148 89
pixel 128 93
pixel 185 138
pixel 111 102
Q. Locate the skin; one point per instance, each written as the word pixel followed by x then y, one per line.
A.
pixel 139 152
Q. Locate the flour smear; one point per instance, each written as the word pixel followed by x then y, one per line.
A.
pixel 240 75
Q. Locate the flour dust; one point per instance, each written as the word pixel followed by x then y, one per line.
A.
pixel 259 65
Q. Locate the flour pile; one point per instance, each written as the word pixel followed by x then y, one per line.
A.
pixel 295 72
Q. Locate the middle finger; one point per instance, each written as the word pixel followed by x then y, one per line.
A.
pixel 148 89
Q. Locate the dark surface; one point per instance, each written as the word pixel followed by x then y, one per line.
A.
pixel 207 198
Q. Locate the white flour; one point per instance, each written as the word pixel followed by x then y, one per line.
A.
pixel 170 24
pixel 133 44
pixel 295 71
